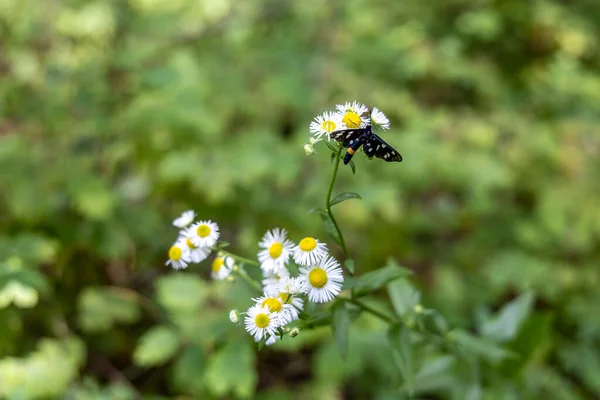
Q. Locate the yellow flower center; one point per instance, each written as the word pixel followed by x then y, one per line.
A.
pixel 352 120
pixel 203 230
pixel 261 320
pixel 308 244
pixel 175 253
pixel 275 250
pixel 328 126
pixel 317 278
pixel 217 264
pixel 285 297
pixel 190 244
pixel 273 304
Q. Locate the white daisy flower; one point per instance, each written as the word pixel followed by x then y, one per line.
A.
pixel 271 281
pixel 378 118
pixel 352 114
pixel 186 218
pixel 324 280
pixel 203 233
pixel 260 322
pixel 288 289
pixel 309 251
pixel 177 253
pixel 283 312
pixel 222 267
pixel 277 249
pixel 195 253
pixel 325 124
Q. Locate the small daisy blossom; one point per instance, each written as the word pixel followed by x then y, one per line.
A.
pixel 195 253
pixel 352 114
pixel 277 249
pixel 203 233
pixel 221 268
pixel 260 322
pixel 177 255
pixel 289 291
pixel 186 218
pixel 283 312
pixel 309 251
pixel 324 280
pixel 271 281
pixel 325 124
pixel 378 118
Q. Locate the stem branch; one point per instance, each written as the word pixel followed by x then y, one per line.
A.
pixel 328 202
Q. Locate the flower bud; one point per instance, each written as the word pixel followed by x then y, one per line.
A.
pixel 313 140
pixel 309 150
pixel 234 316
pixel 294 332
pixel 418 309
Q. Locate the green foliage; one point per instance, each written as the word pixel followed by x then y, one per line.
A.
pixel 118 115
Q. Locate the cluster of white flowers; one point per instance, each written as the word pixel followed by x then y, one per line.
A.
pixel 353 115
pixel 320 280
pixel 195 243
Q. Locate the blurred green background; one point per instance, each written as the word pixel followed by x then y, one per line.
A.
pixel 118 115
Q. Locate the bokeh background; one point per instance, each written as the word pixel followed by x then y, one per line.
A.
pixel 118 115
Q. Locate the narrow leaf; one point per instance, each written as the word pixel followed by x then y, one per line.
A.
pixel 349 263
pixel 332 158
pixel 481 347
pixel 353 167
pixel 376 279
pixel 399 338
pixel 340 319
pixel 507 323
pixel 331 147
pixel 403 296
pixel 343 197
pixel 316 210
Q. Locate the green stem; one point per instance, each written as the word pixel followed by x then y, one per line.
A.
pixel 373 311
pixel 241 259
pixel 244 275
pixel 328 202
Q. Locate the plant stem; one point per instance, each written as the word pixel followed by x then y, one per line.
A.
pixel 241 259
pixel 244 275
pixel 373 311
pixel 328 201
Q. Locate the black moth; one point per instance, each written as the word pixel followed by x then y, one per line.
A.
pixel 373 144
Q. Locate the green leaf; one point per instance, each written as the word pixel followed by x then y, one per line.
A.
pixel 506 324
pixel 332 148
pixel 481 347
pixel 343 197
pixel 99 309
pixel 332 157
pixel 186 369
pixel 340 323
pixel 316 209
pixel 329 228
pixel 232 369
pixel 399 338
pixel 353 167
pixel 376 279
pixel 403 296
pixel 156 346
pixel 349 263
pixel 181 292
